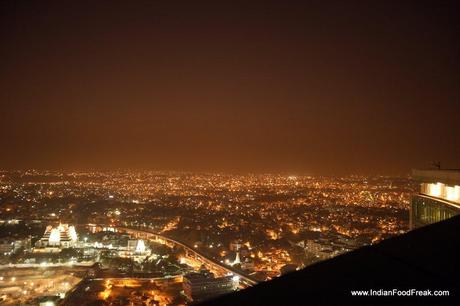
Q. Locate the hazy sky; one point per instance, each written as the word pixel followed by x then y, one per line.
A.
pixel 329 87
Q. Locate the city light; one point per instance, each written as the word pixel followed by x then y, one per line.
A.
pixel 169 153
pixel 261 237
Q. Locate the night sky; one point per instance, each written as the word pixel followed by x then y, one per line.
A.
pixel 323 88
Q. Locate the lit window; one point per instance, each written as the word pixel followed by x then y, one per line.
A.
pixel 453 193
pixel 436 189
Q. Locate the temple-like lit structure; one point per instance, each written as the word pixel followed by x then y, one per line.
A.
pixel 57 238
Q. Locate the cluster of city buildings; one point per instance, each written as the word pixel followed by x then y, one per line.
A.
pixel 259 226
pixel 202 285
pixel 273 214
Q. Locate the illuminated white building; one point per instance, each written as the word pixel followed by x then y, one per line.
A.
pixel 62 236
pixel 237 260
pixel 140 247
pixel 135 249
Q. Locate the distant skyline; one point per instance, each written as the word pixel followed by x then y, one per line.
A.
pixel 325 87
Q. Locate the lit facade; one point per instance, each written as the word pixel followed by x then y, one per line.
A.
pixel 62 236
pixel 136 249
pixel 439 196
